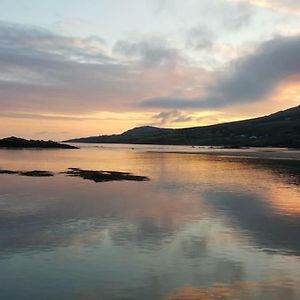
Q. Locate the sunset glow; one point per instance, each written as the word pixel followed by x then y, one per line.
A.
pixel 72 71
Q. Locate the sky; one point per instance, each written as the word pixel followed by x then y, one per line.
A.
pixel 73 68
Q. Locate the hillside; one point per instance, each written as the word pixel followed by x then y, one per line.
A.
pixel 281 129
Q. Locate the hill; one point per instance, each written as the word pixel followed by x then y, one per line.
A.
pixel 281 129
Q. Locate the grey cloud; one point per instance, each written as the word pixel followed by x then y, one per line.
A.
pixel 150 52
pixel 161 5
pixel 231 17
pixel 199 37
pixel 37 42
pixel 224 16
pixel 35 55
pixel 247 80
pixel 239 17
pixel 43 71
pixel 172 116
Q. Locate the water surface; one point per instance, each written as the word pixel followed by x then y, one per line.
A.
pixel 203 227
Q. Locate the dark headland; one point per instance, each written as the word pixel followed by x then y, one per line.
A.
pixel 19 143
pixel 281 129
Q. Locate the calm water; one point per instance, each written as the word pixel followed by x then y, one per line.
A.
pixel 204 227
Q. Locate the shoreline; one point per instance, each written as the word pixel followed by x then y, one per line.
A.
pixel 249 152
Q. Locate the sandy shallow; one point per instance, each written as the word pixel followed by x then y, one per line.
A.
pixel 266 153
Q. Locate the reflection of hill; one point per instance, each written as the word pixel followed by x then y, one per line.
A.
pixel 254 213
pixel 286 170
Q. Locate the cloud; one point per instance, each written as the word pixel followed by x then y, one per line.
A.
pixel 52 132
pixel 249 79
pixel 285 6
pixel 199 38
pixel 38 42
pixel 152 51
pixel 12 115
pixel 224 20
pixel 239 16
pixel 45 72
pixel 41 69
pixel 161 5
pixel 172 116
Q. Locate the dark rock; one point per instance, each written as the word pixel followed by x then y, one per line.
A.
pixel 96 176
pixel 36 173
pixel 8 172
pixel 102 176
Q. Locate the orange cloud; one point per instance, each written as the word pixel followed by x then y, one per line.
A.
pixel 274 5
pixel 288 92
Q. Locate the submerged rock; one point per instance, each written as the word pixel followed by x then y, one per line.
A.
pixel 101 176
pixel 36 173
pixel 96 176
pixel 8 172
